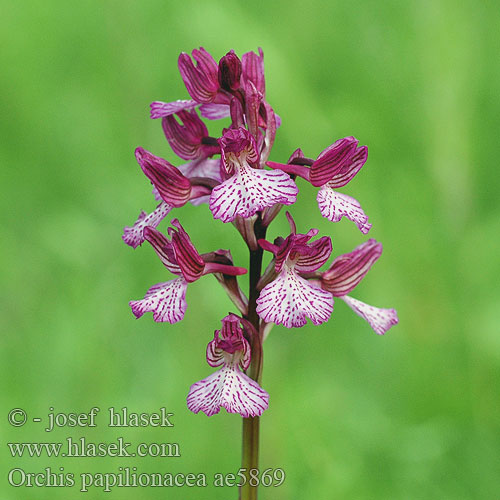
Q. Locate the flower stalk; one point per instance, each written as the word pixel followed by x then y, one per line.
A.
pixel 251 425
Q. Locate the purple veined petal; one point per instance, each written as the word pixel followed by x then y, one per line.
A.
pixel 380 319
pixel 185 138
pixel 270 247
pixel 173 187
pixel 167 301
pixel 189 260
pixel 278 120
pixel 229 270
pixel 270 133
pixel 347 270
pixel 283 252
pixel 296 155
pixel 350 169
pixel 246 355
pixel 215 355
pixel 249 191
pixel 332 160
pixel 292 169
pixel 133 235
pixel 161 109
pixel 291 222
pixel 334 206
pixel 231 389
pixel 253 101
pixel 201 81
pixel 163 248
pixel 253 70
pixel 212 111
pixel 203 167
pixel 290 299
pixel 320 251
pixel 236 113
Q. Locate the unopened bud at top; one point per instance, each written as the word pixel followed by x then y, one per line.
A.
pixel 229 71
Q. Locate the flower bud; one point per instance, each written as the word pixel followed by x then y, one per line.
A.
pixel 229 71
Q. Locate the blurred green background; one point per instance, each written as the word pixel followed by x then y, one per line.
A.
pixel 412 415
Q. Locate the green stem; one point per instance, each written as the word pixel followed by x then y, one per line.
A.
pixel 250 454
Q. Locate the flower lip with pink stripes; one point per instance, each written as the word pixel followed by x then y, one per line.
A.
pixel 346 272
pixel 289 299
pixel 228 387
pixel 248 189
pixel 167 300
pixel 333 168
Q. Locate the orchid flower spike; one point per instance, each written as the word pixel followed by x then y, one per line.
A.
pixel 345 274
pixel 334 168
pixel 247 189
pixel 229 172
pixel 228 387
pixel 167 300
pixel 290 299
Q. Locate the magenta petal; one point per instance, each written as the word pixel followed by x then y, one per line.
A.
pixel 249 191
pixel 186 255
pixel 349 269
pixel 290 299
pixel 216 268
pixel 173 187
pixel 213 111
pixel 163 248
pixel 186 139
pixel 334 206
pixel 319 252
pixel 270 132
pixel 349 169
pixel 253 100
pixel 332 160
pixel 215 355
pixel 231 389
pixel 380 319
pixel 253 70
pixel 292 169
pixel 203 167
pixel 133 235
pixel 166 300
pixel 160 109
pixel 201 81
